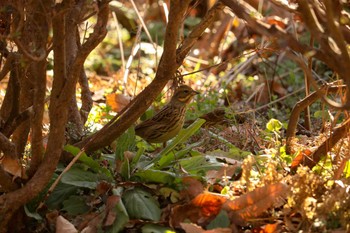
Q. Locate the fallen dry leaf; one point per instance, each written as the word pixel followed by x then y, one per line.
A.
pixel 193 228
pixel 302 158
pixel 192 187
pixel 13 167
pixel 117 101
pixel 254 203
pixel 210 203
pixel 110 214
pixel 64 226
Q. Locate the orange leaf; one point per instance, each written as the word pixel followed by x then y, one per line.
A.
pixel 271 228
pixel 209 203
pixel 274 20
pixel 302 157
pixel 117 101
pixel 254 203
pixel 13 167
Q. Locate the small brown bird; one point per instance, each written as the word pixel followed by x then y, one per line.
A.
pixel 169 120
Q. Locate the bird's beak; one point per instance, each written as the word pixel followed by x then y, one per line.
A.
pixel 195 92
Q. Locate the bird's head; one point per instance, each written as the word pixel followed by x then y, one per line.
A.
pixel 183 95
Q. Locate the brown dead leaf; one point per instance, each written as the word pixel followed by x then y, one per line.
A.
pixel 278 88
pixel 13 167
pixel 302 158
pixel 110 214
pixel 51 217
pixel 193 228
pixel 254 203
pixel 91 222
pixel 117 101
pixel 192 187
pixel 187 211
pixel 64 226
pixel 103 187
pixel 225 172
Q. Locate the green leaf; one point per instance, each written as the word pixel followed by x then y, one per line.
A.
pixel 72 149
pixel 93 164
pixel 59 194
pixel 174 156
pixel 137 157
pixel 122 218
pixel 274 125
pixel 198 165
pixel 75 205
pixel 125 169
pixel 141 205
pixel 183 136
pixel 220 221
pixel 80 178
pixel 347 169
pixel 125 142
pixel 153 228
pixel 34 215
pixel 156 176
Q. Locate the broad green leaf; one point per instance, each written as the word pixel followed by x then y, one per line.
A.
pixel 124 143
pixel 198 165
pixel 121 219
pixel 93 164
pixel 80 178
pixel 34 215
pixel 156 176
pixel 75 205
pixel 174 156
pixel 72 149
pixel 220 221
pixel 141 205
pixel 59 194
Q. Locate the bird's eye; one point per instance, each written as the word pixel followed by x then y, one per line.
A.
pixel 186 91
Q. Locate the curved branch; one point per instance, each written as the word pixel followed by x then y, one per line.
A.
pixel 139 105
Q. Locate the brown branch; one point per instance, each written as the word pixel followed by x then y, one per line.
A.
pixel 192 38
pixel 6 184
pixel 10 127
pixel 10 106
pixel 284 38
pixel 310 19
pixel 301 106
pixel 8 65
pixel 37 72
pixel 139 105
pixel 86 97
pixel 335 135
pixel 12 201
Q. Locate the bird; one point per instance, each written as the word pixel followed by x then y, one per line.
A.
pixel 167 123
